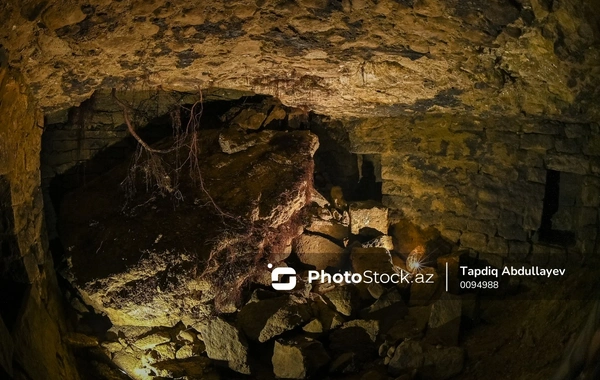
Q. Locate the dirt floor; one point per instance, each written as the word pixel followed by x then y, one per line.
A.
pixel 525 336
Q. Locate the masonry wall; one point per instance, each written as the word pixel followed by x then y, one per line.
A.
pixel 482 182
pixel 32 324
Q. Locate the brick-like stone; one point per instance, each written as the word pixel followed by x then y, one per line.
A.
pixel 368 217
pixel 575 130
pixel 568 163
pixel 518 250
pixel 541 128
pixel 487 227
pixel 538 142
pixel 588 216
pixel 474 240
pixel 590 196
pixel 492 259
pixel 568 146
pixel 535 175
pixel 498 246
pixel 512 232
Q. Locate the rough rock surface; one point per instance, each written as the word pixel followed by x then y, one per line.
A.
pixel 224 342
pixel 298 359
pixel 340 58
pixel 319 252
pixel 269 318
pixel 141 265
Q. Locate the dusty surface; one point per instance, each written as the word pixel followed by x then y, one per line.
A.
pixel 142 263
pixel 341 58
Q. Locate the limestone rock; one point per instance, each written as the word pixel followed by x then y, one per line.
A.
pixel 382 241
pixel 368 218
pixel 319 252
pixel 329 318
pixel 224 342
pixel 373 259
pixel 357 336
pixel 443 363
pixel 298 359
pixel 315 327
pixel 269 318
pixel 407 356
pixel 122 269
pixel 150 341
pixel 249 119
pixel 331 228
pixel 444 322
pixel 184 352
pixel 423 292
pixel 343 298
pixel 236 140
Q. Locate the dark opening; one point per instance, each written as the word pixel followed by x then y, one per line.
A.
pixel 368 187
pixel 13 277
pixel 547 233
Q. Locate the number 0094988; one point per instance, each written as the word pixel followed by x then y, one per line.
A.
pixel 479 284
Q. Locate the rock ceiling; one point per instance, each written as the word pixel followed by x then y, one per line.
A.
pixel 341 58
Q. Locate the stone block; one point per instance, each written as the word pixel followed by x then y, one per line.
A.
pixel 374 259
pixel 498 246
pixel 575 130
pixel 568 163
pixel 298 358
pixel 512 232
pixel 588 216
pixel 473 240
pixel 249 119
pixel 331 228
pixel 319 252
pixel 590 196
pixel 383 241
pixel 492 259
pixel 224 342
pixel 357 336
pixel 150 341
pixel 408 356
pixel 369 218
pixel 538 142
pixel 486 227
pixel 502 172
pixel 444 321
pixel 541 128
pixel 571 146
pixel 269 318
pixel 535 175
pixel 592 148
pixel 518 250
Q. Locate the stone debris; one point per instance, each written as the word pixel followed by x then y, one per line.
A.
pixel 249 119
pixel 298 359
pixel 224 342
pixel 383 241
pixel 368 218
pixel 319 252
pixel 269 318
pixel 235 140
pixel 331 228
pixel 150 341
pixel 369 331
pixel 373 259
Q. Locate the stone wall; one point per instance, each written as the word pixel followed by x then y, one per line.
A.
pixel 482 181
pixel 32 323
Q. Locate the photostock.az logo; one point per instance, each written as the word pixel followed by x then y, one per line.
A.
pixel 278 273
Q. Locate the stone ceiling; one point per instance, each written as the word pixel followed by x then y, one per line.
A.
pixel 341 58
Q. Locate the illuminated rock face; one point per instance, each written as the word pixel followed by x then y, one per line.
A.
pixel 144 264
pixel 341 58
